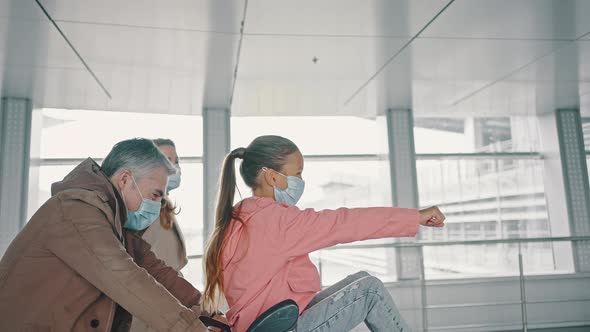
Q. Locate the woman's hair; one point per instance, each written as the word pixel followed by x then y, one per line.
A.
pixel 264 151
pixel 168 209
pixel 167 213
pixel 164 141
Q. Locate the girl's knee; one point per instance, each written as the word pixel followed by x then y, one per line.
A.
pixel 374 282
pixel 361 274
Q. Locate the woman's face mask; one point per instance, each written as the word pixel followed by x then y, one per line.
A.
pixel 293 192
pixel 174 180
pixel 145 215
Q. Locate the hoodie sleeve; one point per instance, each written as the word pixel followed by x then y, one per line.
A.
pixel 300 232
pixel 84 240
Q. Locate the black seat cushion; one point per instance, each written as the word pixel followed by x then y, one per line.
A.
pixel 281 317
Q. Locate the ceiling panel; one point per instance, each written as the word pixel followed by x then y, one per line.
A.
pixel 397 18
pixel 551 82
pixel 434 75
pixel 292 57
pixel 513 19
pixel 34 43
pixel 293 97
pixel 477 59
pixel 492 57
pixel 32 51
pixel 222 16
pixel 462 67
pixel 148 70
pixel 278 74
pixel 136 91
pixel 139 48
pixel 22 10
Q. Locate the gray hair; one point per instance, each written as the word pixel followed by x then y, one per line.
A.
pixel 139 155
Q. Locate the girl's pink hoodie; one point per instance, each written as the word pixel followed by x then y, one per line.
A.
pixel 265 256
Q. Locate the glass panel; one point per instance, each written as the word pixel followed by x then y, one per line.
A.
pixel 189 198
pixel 315 135
pixel 483 200
pixel 462 261
pixel 489 260
pixel 471 135
pixel 487 198
pixel 335 265
pixel 81 134
pixel 193 273
pixel 49 174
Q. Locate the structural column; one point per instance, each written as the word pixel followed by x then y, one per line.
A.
pixel 404 185
pixel 575 178
pixel 566 186
pixel 216 144
pixel 15 133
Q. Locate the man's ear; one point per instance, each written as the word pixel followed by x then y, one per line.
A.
pixel 124 177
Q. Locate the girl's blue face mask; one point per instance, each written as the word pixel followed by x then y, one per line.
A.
pixel 147 213
pixel 293 192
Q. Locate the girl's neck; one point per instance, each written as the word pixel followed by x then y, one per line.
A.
pixel 264 192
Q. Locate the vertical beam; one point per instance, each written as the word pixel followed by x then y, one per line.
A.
pixel 554 185
pixel 216 144
pixel 575 178
pixel 557 87
pixel 221 70
pixel 404 193
pixel 33 203
pixel 15 136
pixel 404 185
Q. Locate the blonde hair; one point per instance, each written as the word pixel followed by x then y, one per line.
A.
pixel 167 213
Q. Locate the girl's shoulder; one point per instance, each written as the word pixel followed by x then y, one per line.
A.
pixel 258 206
pixel 255 203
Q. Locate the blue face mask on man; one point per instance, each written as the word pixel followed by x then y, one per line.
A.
pixel 293 192
pixel 147 213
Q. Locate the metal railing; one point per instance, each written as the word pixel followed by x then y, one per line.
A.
pixel 422 280
pixel 421 244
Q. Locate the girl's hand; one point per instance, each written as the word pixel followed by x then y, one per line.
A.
pixel 432 217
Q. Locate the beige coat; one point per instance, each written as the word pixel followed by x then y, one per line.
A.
pixel 169 246
pixel 69 267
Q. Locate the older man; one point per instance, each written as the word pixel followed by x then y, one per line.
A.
pixel 78 266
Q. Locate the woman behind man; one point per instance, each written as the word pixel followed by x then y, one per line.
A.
pixel 258 254
pixel 164 235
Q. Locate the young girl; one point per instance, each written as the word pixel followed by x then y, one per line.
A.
pixel 258 254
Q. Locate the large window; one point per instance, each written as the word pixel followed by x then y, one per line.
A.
pixel 488 180
pixel 345 165
pixel 486 174
pixel 70 136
